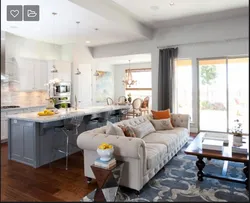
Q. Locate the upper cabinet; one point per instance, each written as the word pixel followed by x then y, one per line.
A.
pixel 33 74
pixel 63 70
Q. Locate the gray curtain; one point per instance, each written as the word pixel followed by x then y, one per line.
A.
pixel 166 78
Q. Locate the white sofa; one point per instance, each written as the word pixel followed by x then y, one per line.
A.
pixel 143 157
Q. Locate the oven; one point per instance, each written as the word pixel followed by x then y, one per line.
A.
pixel 62 89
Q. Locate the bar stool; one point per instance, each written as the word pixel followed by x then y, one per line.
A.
pixel 67 129
pixel 90 122
pixel 104 117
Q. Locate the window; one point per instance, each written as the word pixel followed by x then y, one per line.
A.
pixel 143 78
pixel 183 86
pixel 143 86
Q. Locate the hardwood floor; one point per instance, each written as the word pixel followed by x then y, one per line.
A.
pixel 23 183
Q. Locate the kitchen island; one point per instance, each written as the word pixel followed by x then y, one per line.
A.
pixel 31 137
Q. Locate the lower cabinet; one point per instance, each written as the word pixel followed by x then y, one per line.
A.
pixel 22 141
pixel 4 129
pixel 4 119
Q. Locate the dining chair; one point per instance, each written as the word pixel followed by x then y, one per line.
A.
pixel 110 101
pixel 144 105
pixel 136 108
pixel 122 100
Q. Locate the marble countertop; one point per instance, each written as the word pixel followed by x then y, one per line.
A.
pixel 65 115
pixel 21 108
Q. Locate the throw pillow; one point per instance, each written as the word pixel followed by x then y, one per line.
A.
pixel 143 129
pixel 113 129
pixel 161 114
pixel 128 132
pixel 162 124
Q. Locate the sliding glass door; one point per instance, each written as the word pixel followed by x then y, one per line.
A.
pixel 213 95
pixel 238 91
pixel 223 93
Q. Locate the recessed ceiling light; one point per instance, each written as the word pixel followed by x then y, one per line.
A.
pixel 154 8
pixel 96 29
pixel 87 42
pixel 171 3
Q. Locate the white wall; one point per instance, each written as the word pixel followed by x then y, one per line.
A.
pixel 76 53
pixel 119 72
pixel 210 39
pixel 102 66
pixel 80 54
pixel 22 47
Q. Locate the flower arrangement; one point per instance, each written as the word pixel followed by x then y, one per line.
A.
pixel 237 129
pixel 50 85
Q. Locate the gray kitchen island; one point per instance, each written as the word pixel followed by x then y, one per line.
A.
pixel 31 136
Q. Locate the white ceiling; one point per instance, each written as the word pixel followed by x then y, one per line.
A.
pixel 118 60
pixel 117 20
pixel 153 12
pixel 62 28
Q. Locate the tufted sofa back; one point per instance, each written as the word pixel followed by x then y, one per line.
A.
pixel 134 121
pixel 178 120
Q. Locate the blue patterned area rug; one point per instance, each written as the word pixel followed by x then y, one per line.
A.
pixel 177 182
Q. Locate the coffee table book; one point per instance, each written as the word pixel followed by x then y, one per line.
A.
pixel 217 136
pixel 240 150
pixel 105 164
pixel 212 144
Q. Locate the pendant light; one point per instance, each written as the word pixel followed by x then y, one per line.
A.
pixel 128 80
pixel 78 72
pixel 54 70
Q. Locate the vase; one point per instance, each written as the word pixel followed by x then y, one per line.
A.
pixel 130 99
pixel 237 140
pixel 105 154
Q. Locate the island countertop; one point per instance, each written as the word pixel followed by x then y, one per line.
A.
pixel 64 115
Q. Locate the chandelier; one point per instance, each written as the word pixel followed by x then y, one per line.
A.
pixel 128 80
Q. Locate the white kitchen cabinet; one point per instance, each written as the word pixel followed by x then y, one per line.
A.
pixel 4 128
pixel 33 74
pixel 26 75
pixel 63 70
pixel 4 122
pixel 40 74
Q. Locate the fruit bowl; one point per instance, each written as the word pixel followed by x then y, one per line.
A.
pixel 105 151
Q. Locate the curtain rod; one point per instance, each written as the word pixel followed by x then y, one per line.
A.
pixel 193 43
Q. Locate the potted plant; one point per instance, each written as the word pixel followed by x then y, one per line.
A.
pixel 237 132
pixel 129 98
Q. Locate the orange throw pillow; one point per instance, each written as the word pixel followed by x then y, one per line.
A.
pixel 161 114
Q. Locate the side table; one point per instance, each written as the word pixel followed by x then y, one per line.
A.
pixel 107 183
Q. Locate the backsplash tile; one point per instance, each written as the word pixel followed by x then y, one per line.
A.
pixel 24 99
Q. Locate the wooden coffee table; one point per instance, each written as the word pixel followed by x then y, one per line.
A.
pixel 195 148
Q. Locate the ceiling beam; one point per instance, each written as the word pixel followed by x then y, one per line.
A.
pixel 113 12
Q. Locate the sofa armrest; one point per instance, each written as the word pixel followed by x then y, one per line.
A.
pixel 181 120
pixel 123 146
